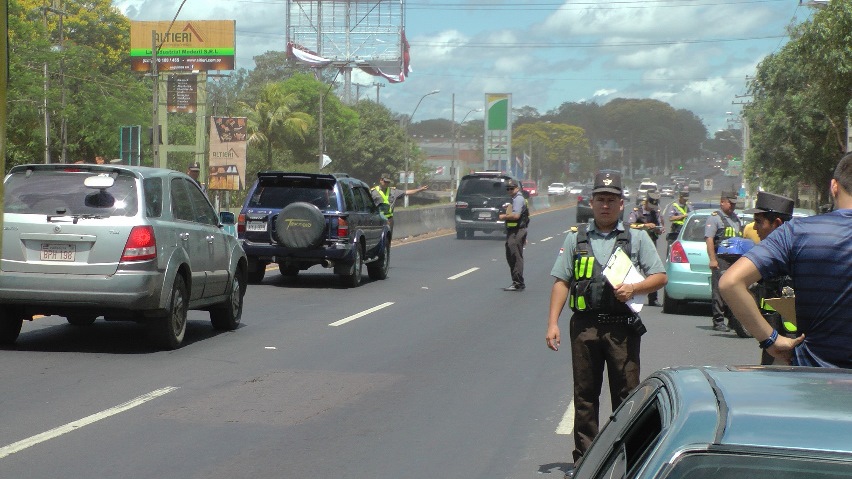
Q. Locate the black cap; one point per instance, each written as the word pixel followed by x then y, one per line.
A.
pixel 511 184
pixel 385 177
pixel 608 182
pixel 195 167
pixel 684 192
pixel 731 196
pixel 772 203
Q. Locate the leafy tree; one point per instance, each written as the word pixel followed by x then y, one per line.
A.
pixel 380 145
pixel 553 148
pixel 273 120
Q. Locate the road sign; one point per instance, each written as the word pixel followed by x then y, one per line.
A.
pixel 708 184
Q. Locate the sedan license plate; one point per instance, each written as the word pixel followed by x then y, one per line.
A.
pixel 256 226
pixel 485 215
pixel 57 252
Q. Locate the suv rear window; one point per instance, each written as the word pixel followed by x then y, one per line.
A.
pixel 483 186
pixel 274 195
pixel 52 192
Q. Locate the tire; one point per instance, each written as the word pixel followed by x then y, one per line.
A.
pixel 300 225
pixel 738 328
pixel 353 278
pixel 460 234
pixel 288 271
pixel 379 269
pixel 168 330
pixel 10 327
pixel 226 316
pixel 81 319
pixel 256 276
pixel 670 305
pixel 469 233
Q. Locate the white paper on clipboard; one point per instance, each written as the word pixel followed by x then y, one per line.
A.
pixel 620 270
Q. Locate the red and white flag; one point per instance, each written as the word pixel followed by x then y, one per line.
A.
pixel 439 170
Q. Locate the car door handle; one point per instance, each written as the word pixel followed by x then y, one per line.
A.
pixel 210 238
pixel 184 236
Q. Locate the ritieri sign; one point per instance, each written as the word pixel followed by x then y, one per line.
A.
pixel 197 45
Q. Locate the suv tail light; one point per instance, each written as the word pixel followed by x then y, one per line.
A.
pixel 678 255
pixel 241 224
pixel 342 228
pixel 580 199
pixel 141 244
pixel 461 204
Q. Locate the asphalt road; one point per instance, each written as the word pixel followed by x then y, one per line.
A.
pixel 433 373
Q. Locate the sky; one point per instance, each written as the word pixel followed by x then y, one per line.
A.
pixel 692 54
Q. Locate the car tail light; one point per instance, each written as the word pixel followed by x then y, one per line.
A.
pixel 241 224
pixel 579 199
pixel 141 244
pixel 678 255
pixel 461 204
pixel 342 228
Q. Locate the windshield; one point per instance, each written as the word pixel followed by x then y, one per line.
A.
pixel 483 186
pixel 58 192
pixel 276 197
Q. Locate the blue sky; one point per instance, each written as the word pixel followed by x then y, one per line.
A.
pixel 692 54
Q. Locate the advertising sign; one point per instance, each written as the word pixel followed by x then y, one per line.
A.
pixel 182 93
pixel 227 153
pixel 498 130
pixel 197 45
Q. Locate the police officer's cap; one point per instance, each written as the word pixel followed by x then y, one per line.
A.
pixel 195 167
pixel 653 197
pixel 385 177
pixel 684 193
pixel 771 203
pixel 730 196
pixel 608 182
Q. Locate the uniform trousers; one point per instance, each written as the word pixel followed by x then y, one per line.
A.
pixel 515 239
pixel 719 308
pixel 593 346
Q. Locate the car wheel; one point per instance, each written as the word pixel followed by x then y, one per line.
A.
pixel 168 330
pixel 670 305
pixel 81 319
pixel 300 225
pixel 10 326
pixel 226 316
pixel 379 269
pixel 256 276
pixel 738 328
pixel 353 278
pixel 469 233
pixel 289 271
pixel 460 234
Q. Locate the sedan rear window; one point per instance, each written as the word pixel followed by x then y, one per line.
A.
pixel 58 192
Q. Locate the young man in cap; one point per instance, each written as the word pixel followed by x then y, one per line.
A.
pixel 721 224
pixel 604 330
pixel 771 211
pixel 385 196
pixel 647 217
pixel 516 235
pixel 815 252
pixel 194 171
pixel 678 212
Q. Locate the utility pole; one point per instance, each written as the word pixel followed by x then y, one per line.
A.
pixel 378 85
pixel 155 119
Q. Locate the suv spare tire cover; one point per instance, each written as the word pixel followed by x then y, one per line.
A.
pixel 300 225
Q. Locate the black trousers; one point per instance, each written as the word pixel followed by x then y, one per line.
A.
pixel 720 309
pixel 515 239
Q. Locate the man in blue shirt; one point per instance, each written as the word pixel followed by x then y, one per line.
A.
pixel 816 252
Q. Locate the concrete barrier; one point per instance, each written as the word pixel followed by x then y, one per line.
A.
pixel 418 221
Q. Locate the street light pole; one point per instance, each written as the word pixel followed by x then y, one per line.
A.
pixel 456 163
pixel 408 154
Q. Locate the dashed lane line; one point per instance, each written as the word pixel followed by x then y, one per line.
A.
pixel 361 314
pixel 566 425
pixel 73 426
pixel 457 276
pixel 545 239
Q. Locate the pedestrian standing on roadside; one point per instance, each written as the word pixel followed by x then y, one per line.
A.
pixel 517 220
pixel 816 252
pixel 604 330
pixel 721 224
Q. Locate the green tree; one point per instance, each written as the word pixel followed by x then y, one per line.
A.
pixel 380 145
pixel 553 148
pixel 273 120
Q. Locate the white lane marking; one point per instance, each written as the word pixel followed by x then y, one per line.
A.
pixel 457 276
pixel 566 425
pixel 545 239
pixel 567 231
pixel 362 313
pixel 72 426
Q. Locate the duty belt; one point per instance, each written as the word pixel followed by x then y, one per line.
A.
pixel 606 318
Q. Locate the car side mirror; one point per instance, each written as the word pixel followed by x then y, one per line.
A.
pixel 227 218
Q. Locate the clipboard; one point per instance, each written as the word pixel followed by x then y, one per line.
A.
pixel 786 307
pixel 620 269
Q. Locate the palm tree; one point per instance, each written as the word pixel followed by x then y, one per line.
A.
pixel 272 121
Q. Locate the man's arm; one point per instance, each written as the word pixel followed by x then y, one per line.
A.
pixel 415 190
pixel 711 253
pixel 733 285
pixel 558 297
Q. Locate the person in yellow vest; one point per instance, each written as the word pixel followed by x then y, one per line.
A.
pixel 517 219
pixel 721 224
pixel 678 211
pixel 385 196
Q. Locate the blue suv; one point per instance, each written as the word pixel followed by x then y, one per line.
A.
pixel 299 220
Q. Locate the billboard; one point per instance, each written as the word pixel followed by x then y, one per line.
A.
pixel 227 161
pixel 195 45
pixel 498 130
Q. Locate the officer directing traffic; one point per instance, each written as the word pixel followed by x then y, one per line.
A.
pixel 604 330
pixel 721 224
pixel 517 218
pixel 385 196
pixel 677 213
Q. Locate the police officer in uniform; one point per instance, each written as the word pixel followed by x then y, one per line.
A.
pixel 604 330
pixel 647 217
pixel 678 212
pixel 721 224
pixel 385 196
pixel 517 221
pixel 771 211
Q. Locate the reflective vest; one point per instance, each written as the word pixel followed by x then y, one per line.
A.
pixel 523 221
pixel 772 288
pixel 681 210
pixel 727 230
pixel 385 207
pixel 589 291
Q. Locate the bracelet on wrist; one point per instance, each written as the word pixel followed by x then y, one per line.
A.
pixel 770 340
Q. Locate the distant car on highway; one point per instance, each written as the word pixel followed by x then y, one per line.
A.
pixel 667 191
pixel 530 188
pixel 703 422
pixel 556 189
pixel 119 242
pixel 575 189
pixel 694 185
